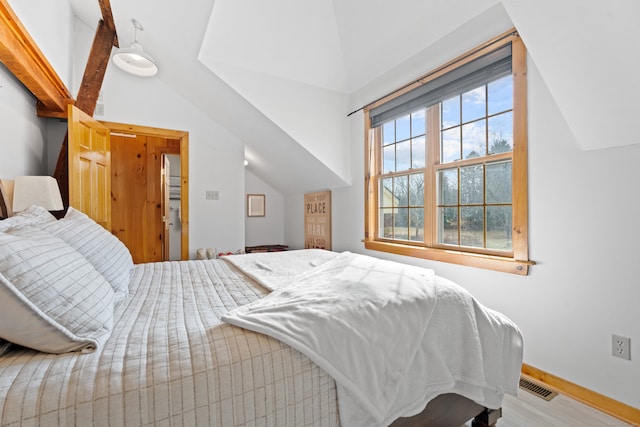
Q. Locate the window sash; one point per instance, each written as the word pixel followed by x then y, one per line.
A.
pixel 516 261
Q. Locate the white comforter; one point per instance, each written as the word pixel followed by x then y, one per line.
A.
pixel 393 336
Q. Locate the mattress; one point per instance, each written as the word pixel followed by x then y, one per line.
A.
pixel 170 360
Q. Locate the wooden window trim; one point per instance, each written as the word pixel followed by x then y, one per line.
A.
pixel 518 262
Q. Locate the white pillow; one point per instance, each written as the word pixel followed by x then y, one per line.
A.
pixel 102 249
pixel 34 215
pixel 51 298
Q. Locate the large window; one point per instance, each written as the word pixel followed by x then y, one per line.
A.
pixel 447 163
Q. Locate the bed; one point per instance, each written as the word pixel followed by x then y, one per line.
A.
pixel 172 353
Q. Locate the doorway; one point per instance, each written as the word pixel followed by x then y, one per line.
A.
pixel 141 197
pixel 171 206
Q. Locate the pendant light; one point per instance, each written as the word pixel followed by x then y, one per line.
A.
pixel 133 59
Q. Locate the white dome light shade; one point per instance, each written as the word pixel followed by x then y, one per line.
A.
pixel 134 60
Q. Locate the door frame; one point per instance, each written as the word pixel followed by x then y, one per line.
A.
pixel 183 137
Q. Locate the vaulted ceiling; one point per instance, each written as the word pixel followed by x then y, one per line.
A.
pixel 282 75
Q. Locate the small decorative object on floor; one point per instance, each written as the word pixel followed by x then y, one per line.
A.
pixel 227 253
pixel 208 253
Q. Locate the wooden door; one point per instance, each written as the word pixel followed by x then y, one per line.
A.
pixel 128 186
pixel 138 204
pixel 135 187
pixel 89 167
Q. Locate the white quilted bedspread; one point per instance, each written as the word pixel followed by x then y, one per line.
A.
pixel 171 362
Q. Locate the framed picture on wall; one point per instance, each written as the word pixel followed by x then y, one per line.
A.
pixel 255 204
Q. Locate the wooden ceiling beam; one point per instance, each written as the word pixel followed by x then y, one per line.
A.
pixel 107 17
pixel 89 91
pixel 22 56
pixel 96 68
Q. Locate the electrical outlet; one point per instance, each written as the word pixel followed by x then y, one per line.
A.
pixel 621 347
pixel 212 195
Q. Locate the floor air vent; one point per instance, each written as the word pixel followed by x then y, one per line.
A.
pixel 537 390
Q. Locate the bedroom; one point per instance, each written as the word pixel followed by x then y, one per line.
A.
pixel 582 289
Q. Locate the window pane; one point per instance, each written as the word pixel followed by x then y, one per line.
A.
pixel 416 189
pixel 450 112
pixel 401 224
pixel 401 190
pixel 450 145
pixel 500 93
pixel 476 201
pixel 472 226
pixel 418 152
pixel 386 223
pixel 386 193
pixel 403 155
pixel 499 182
pixel 416 224
pixel 448 187
pixel 471 185
pixel 474 104
pixel 388 133
pixel 501 133
pixel 389 159
pixel 448 226
pixel 499 227
pixel 403 128
pixel 418 124
pixel 474 139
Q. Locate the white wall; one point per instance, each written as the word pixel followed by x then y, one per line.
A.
pixel 269 229
pixel 293 80
pixel 313 116
pixel 49 24
pixel 584 237
pixel 215 156
pixel 22 146
pixel 56 130
pixel 294 220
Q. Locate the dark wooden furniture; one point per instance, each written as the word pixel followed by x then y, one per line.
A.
pixel 265 248
pixel 451 410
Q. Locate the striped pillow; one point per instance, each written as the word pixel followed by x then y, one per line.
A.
pixel 51 298
pixel 34 215
pixel 102 249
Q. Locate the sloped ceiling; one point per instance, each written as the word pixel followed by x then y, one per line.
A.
pixel 588 53
pixel 336 45
pixel 282 75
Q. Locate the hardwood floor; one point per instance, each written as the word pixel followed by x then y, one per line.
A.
pixel 527 410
